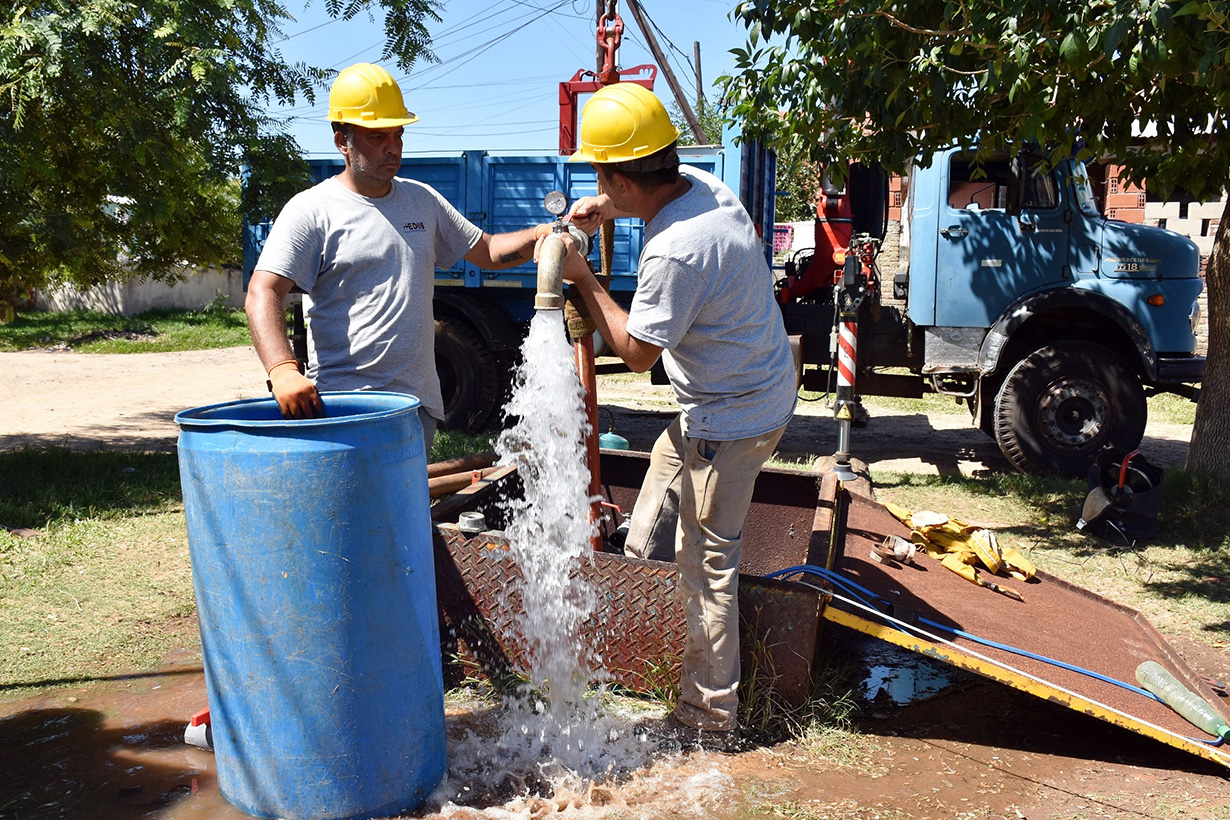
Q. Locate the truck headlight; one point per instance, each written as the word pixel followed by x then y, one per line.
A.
pixel 1193 316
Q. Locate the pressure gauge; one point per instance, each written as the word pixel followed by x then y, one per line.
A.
pixel 556 203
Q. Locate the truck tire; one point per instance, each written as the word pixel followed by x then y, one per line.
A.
pixel 1060 404
pixel 469 377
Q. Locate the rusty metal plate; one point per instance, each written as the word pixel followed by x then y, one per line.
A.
pixel 638 629
pixel 793 521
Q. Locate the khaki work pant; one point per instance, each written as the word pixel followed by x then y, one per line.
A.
pixel 691 509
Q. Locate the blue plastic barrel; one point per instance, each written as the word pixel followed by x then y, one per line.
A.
pixel 312 565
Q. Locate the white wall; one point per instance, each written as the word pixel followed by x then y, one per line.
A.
pixel 1199 216
pixel 197 289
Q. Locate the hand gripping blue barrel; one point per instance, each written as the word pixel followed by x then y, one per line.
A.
pixel 312 565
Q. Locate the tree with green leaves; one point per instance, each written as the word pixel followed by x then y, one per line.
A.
pixel 1143 82
pixel 798 178
pixel 126 126
pixel 710 120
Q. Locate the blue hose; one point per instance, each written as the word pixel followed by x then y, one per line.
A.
pixel 851 586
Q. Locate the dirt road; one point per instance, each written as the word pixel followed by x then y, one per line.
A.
pixel 130 401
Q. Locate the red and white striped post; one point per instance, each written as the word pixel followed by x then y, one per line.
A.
pixel 848 295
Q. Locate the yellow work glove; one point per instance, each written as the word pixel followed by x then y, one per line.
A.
pixel 963 548
pixel 296 394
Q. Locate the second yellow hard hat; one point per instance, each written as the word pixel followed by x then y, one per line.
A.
pixel 622 122
pixel 367 95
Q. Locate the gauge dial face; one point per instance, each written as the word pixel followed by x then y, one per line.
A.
pixel 555 202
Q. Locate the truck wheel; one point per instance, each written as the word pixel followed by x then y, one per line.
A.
pixel 1059 405
pixel 469 377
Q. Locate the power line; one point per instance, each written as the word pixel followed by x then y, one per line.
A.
pixel 475 52
pixel 455 62
pixel 675 48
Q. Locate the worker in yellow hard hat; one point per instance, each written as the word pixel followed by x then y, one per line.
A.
pixel 363 246
pixel 704 305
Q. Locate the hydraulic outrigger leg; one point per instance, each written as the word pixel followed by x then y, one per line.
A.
pixel 848 294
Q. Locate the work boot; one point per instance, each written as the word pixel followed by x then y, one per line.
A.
pixel 672 734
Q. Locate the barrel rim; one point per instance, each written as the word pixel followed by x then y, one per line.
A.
pixel 393 404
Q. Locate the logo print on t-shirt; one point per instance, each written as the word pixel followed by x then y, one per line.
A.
pixel 414 226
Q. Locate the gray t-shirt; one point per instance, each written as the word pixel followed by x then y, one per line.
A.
pixel 368 269
pixel 704 293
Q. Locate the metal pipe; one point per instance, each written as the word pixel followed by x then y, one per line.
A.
pixel 583 350
pixel 550 295
pixel 475 461
pixel 452 482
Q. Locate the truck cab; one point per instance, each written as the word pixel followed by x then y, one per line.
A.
pixel 1012 291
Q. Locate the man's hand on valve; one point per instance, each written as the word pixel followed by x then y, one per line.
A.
pixel 576 268
pixel 589 212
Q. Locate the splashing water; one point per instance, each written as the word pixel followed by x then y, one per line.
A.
pixel 549 530
pixel 554 734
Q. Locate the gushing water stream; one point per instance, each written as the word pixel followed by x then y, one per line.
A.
pixel 553 731
pixel 549 529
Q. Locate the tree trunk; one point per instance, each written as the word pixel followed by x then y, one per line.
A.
pixel 1210 448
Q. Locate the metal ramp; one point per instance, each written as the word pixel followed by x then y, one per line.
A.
pixel 1057 620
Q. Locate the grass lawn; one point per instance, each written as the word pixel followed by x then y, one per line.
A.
pixel 156 331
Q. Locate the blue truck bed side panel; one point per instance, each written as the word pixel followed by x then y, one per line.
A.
pixel 504 192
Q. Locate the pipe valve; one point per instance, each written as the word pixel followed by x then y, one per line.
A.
pixel 556 204
pixel 550 293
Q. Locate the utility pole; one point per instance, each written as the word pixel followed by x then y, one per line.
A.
pixel 700 87
pixel 688 114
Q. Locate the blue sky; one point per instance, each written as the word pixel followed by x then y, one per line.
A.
pixel 501 62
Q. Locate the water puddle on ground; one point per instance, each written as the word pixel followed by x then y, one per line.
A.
pixel 110 749
pixel 114 750
pixel 895 676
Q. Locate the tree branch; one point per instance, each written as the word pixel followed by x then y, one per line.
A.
pixel 965 26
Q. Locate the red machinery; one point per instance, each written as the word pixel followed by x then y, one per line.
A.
pixel 861 207
pixel 841 270
pixel 610 32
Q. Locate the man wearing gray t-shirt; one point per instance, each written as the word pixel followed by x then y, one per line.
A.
pixel 364 246
pixel 704 304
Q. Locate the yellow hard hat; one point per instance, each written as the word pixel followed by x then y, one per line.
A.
pixel 367 95
pixel 621 122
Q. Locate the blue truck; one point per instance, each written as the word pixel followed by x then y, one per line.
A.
pixel 1002 286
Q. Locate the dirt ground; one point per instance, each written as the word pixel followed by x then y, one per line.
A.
pixel 113 748
pixel 130 401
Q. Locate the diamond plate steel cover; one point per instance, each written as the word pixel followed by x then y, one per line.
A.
pixel 638 628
